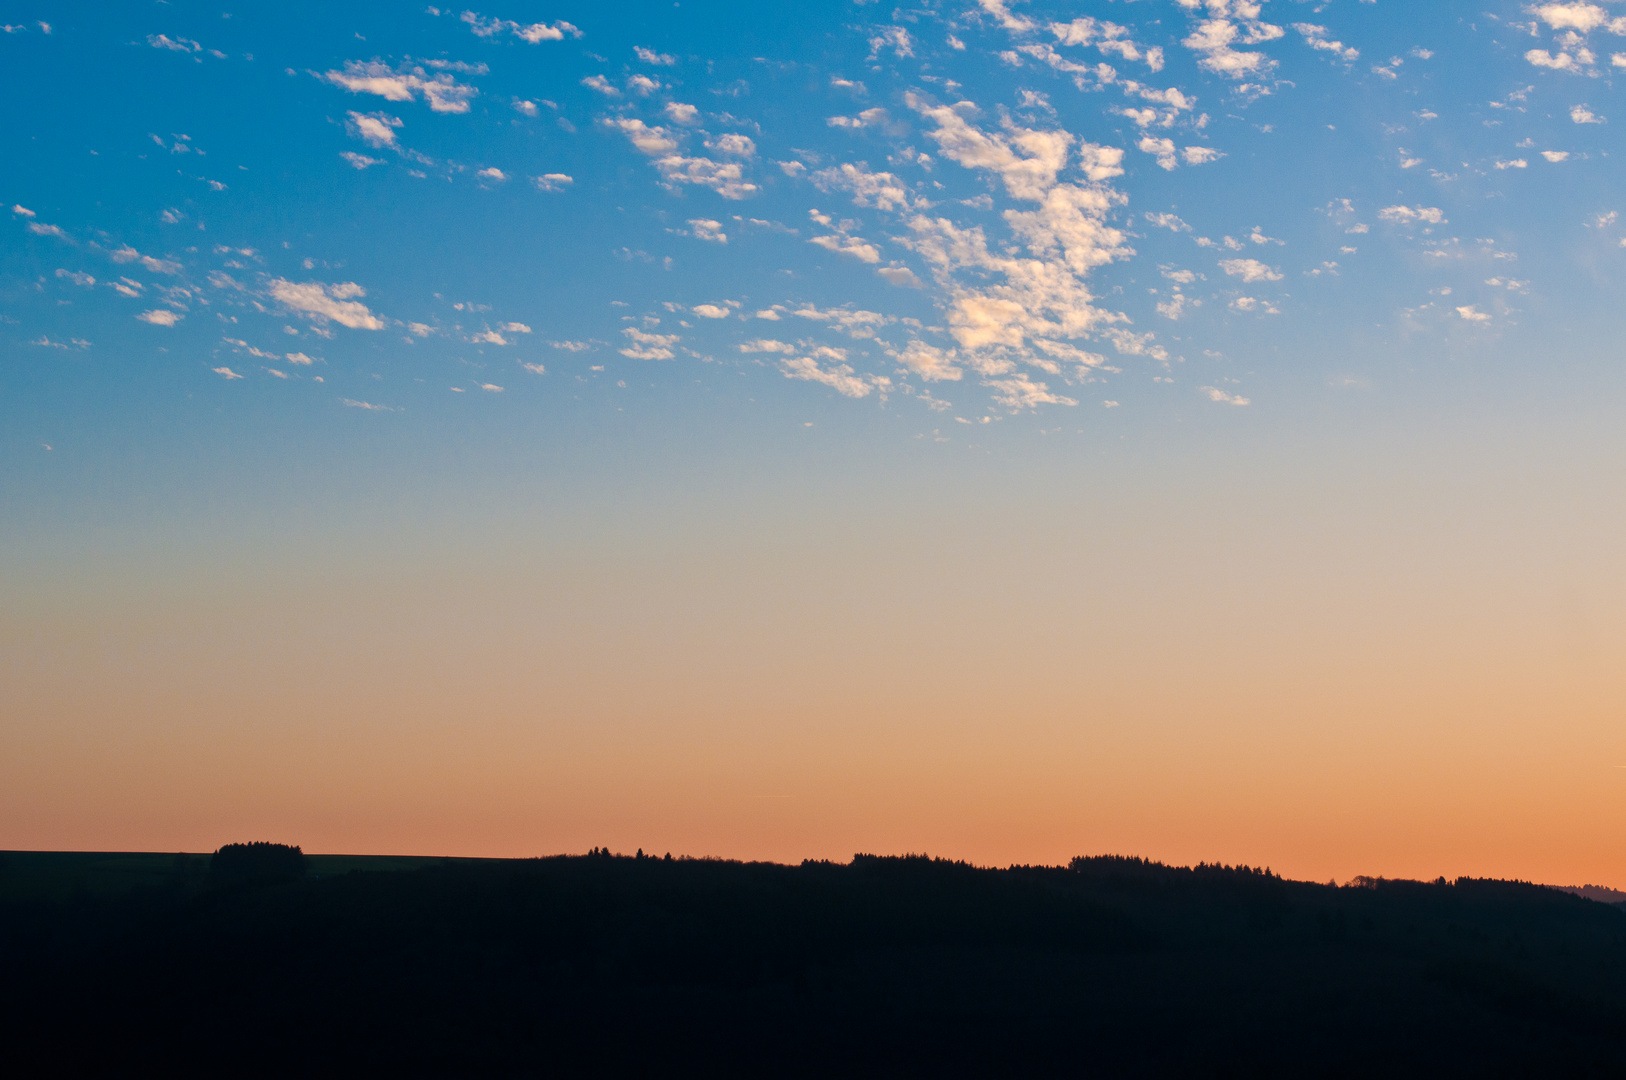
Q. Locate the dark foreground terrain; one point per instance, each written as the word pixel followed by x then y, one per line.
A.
pixel 615 965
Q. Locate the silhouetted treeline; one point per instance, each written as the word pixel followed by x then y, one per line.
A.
pixel 258 863
pixel 616 965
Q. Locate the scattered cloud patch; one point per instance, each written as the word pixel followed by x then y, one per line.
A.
pixel 532 33
pixel 1224 397
pixel 442 91
pixel 1430 215
pixel 1249 270
pixel 321 303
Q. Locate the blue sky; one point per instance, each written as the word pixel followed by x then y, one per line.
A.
pixel 1187 428
pixel 956 211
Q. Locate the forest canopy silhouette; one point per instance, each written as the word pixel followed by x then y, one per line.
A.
pixel 267 958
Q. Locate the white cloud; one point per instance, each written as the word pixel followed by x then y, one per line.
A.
pixel 533 33
pixel 535 369
pixel 1108 38
pixel 681 113
pixel 855 322
pixel 1249 270
pixel 649 56
pixel 527 108
pixel 1564 61
pixel 1015 23
pixel 649 346
pixel 488 337
pixel 725 178
pixel 895 38
pixel 1163 149
pixel 1583 115
pixel 767 345
pixel 360 161
pixel 494 174
pixel 1200 155
pixel 711 311
pixel 1581 17
pixel 164 41
pixel 299 358
pixel 646 139
pixel 39 229
pixel 22 211
pixel 708 230
pixel 1214 40
pixel 882 190
pixel 516 328
pixel 128 254
pixel 1556 156
pixel 1471 314
pixel 1100 163
pixel 927 361
pixel 998 299
pixel 442 92
pixel 367 406
pixel 160 317
pixel 1019 391
pixel 855 246
pixel 601 84
pixel 320 303
pixel 1027 160
pixel 900 275
pixel 642 85
pixel 552 181
pixel 867 118
pixel 1086 361
pixel 1223 397
pixel 81 279
pixel 1316 38
pixel 491 388
pixel 836 373
pixel 1406 214
pixel 376 129
pixel 226 373
pixel 735 144
pixel 1175 307
pixel 1167 221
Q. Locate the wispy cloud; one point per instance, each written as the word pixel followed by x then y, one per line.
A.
pixel 321 303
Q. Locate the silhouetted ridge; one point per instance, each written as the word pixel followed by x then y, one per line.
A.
pixel 611 964
pixel 257 863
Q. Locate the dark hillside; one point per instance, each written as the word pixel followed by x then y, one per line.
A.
pixel 605 964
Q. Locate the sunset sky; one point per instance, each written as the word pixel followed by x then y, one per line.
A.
pixel 1185 428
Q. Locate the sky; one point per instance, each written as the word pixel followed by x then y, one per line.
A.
pixel 1008 430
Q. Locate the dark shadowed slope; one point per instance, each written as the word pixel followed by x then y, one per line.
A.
pixel 628 965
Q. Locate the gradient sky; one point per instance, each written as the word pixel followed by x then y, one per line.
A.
pixel 1186 428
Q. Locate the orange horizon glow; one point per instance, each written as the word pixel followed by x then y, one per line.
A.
pixel 1300 691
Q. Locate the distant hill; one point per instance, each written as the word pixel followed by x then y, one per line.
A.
pixel 610 965
pixel 1599 893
